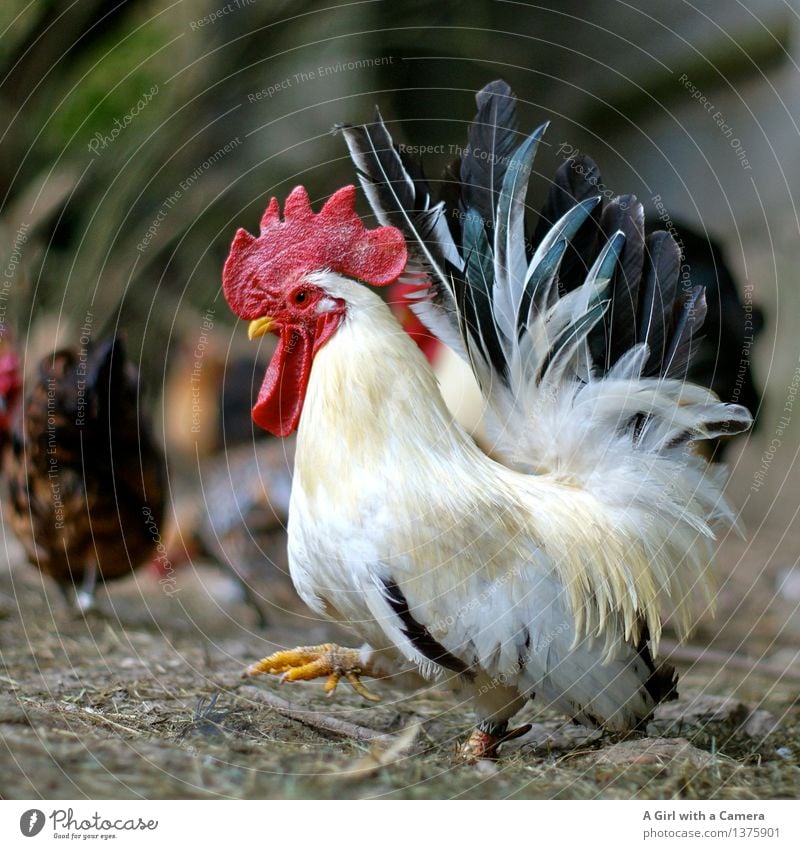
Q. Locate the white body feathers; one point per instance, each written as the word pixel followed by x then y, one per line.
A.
pixel 529 584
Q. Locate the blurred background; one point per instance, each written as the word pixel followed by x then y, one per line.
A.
pixel 136 137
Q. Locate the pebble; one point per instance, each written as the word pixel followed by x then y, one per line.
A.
pixel 702 708
pixel 787 583
pixel 656 751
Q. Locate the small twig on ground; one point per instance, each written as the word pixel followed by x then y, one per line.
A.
pixel 698 654
pixel 100 719
pixel 315 719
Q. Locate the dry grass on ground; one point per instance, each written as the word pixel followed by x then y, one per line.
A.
pixel 147 701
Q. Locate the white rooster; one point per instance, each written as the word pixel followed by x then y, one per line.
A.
pixel 544 572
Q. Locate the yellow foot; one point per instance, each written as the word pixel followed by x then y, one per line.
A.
pixel 308 662
pixel 483 745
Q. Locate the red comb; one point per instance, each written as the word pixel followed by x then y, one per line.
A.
pixel 303 242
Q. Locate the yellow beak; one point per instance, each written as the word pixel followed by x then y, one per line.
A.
pixel 260 326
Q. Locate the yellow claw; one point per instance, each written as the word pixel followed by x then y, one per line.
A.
pixel 332 683
pixel 308 662
pixel 307 671
pixel 354 680
pixel 279 662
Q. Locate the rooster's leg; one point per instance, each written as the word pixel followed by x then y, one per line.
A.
pixel 326 661
pixel 485 740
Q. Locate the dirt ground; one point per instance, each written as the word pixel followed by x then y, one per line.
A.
pixel 146 699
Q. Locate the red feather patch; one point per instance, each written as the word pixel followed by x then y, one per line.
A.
pixel 335 239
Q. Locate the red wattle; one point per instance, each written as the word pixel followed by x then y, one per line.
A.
pixel 280 399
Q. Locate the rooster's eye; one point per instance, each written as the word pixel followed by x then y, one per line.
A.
pixel 300 297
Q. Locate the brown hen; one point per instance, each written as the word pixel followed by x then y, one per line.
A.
pixel 83 475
